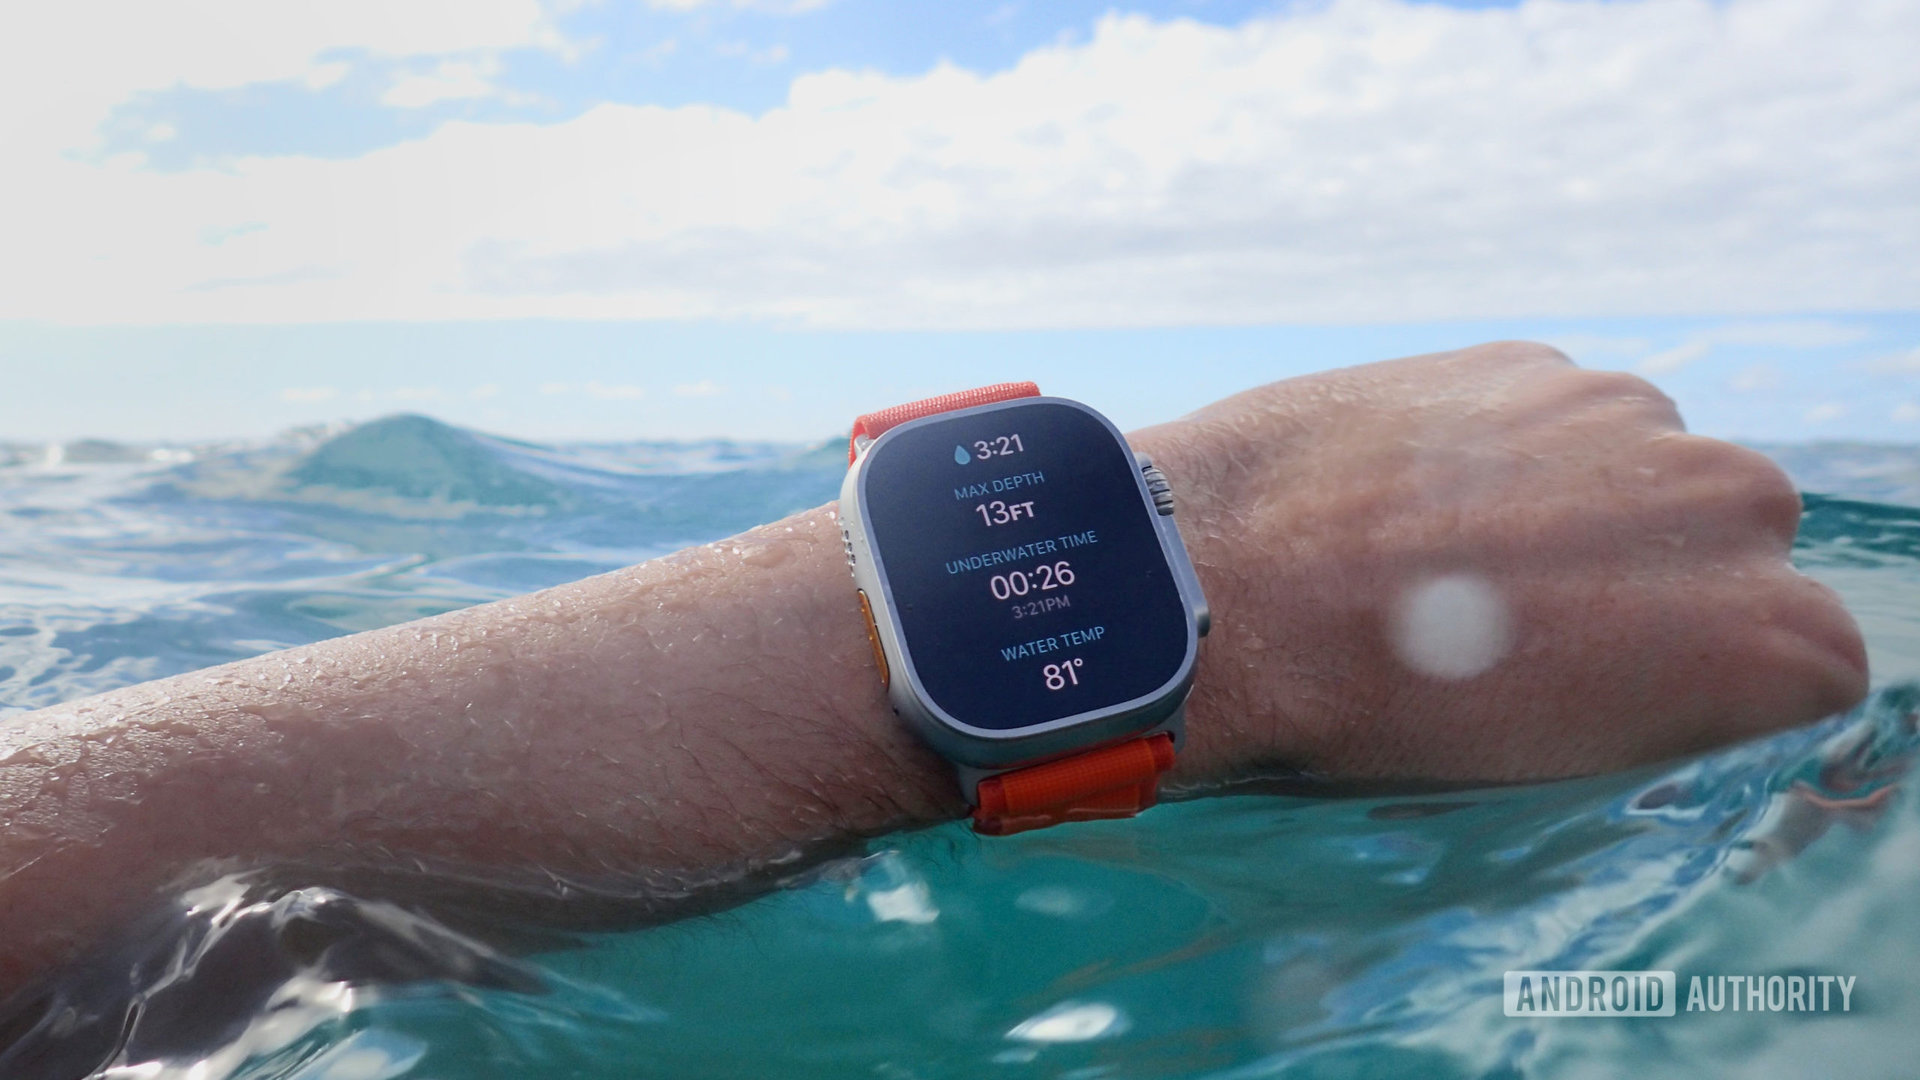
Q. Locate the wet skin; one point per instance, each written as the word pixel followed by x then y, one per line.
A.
pixel 692 722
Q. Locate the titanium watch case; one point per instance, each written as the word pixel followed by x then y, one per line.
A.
pixel 978 752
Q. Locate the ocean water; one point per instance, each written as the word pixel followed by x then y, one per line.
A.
pixel 1249 936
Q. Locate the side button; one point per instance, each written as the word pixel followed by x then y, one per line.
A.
pixel 873 639
pixel 1158 487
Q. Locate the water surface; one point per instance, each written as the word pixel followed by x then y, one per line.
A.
pixel 1231 937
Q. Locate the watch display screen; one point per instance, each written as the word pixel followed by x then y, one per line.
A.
pixel 1024 565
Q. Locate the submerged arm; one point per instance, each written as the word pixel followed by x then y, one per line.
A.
pixel 1477 565
pixel 680 720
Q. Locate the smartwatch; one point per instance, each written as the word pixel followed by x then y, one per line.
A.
pixel 1033 612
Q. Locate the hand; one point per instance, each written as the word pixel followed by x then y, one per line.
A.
pixel 1488 564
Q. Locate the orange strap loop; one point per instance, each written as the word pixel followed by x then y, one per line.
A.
pixel 1115 781
pixel 874 424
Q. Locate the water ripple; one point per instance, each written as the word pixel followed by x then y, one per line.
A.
pixel 1231 937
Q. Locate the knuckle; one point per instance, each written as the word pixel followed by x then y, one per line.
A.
pixel 1525 353
pixel 1812 680
pixel 1806 640
pixel 1608 396
pixel 1793 654
pixel 1759 483
pixel 1625 386
pixel 1848 679
pixel 1833 637
pixel 1740 482
pixel 1693 455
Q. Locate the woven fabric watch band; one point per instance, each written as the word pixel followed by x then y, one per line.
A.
pixel 874 424
pixel 1114 781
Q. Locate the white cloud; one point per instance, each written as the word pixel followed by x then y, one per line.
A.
pixel 660 50
pixel 1906 412
pixel 1583 346
pixel 624 392
pixel 552 388
pixel 63 65
pixel 485 390
pixel 1789 333
pixel 1369 160
pixel 703 388
pixel 771 56
pixel 1906 360
pixel 450 80
pixel 1822 413
pixel 1778 333
pixel 1671 360
pixel 1756 377
pixel 309 393
pixel 416 393
pixel 321 76
pixel 775 7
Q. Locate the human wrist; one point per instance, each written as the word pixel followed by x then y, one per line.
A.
pixel 762 705
pixel 870 773
pixel 1258 706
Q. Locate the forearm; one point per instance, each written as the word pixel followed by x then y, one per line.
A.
pixel 718 711
pixel 679 720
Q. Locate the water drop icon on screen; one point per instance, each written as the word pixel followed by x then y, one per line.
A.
pixel 960 455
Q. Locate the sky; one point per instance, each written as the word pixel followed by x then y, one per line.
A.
pixel 754 218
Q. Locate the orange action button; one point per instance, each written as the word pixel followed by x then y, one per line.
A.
pixel 873 639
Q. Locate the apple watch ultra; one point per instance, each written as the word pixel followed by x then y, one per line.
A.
pixel 1033 612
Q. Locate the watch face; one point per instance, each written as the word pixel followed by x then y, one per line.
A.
pixel 1024 565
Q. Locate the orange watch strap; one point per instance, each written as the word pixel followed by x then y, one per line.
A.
pixel 874 424
pixel 1115 781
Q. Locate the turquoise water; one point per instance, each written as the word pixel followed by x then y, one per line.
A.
pixel 1232 937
